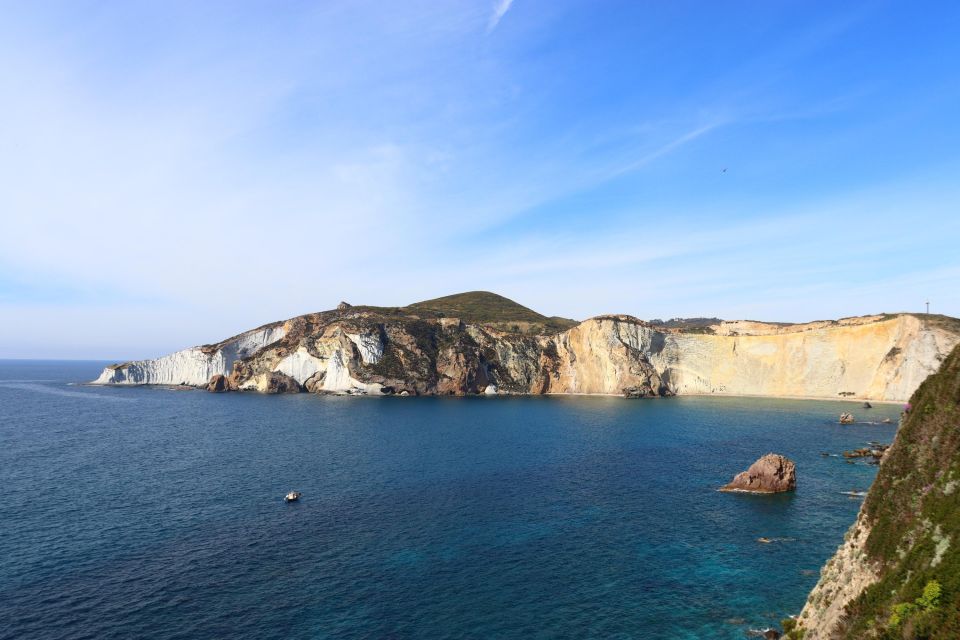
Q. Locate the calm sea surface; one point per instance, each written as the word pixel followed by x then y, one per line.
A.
pixel 154 513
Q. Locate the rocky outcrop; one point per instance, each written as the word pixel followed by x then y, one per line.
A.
pixel 843 578
pixel 642 391
pixel 277 382
pixel 772 473
pixel 220 383
pixel 897 573
pixel 369 350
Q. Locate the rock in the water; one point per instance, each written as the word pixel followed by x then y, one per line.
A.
pixel 772 473
pixel 847 418
pixel 281 383
pixel 867 405
pixel 874 451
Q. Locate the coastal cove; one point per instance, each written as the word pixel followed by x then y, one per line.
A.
pixel 574 516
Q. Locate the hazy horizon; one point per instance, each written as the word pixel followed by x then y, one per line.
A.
pixel 178 173
pixel 216 339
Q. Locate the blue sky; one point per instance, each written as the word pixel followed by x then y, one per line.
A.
pixel 178 172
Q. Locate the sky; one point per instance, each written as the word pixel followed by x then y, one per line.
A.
pixel 174 173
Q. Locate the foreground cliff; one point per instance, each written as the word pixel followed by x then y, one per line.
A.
pixel 421 349
pixel 897 574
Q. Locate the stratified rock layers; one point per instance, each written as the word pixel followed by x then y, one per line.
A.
pixel 351 350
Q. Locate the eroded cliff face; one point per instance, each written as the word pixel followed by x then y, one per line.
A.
pixel 357 351
pixel 842 579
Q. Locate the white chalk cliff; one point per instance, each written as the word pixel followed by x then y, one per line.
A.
pixel 194 366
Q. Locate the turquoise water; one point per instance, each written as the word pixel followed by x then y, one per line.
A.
pixel 144 512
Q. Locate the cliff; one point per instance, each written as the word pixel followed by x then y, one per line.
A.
pixel 897 574
pixel 505 348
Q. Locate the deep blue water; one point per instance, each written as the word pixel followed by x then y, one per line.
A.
pixel 154 513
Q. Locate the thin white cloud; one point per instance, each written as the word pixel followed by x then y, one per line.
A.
pixel 499 10
pixel 163 189
pixel 665 149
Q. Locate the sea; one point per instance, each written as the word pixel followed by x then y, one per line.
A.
pixel 158 513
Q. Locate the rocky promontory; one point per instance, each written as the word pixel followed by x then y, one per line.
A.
pixel 897 572
pixel 772 473
pixel 481 343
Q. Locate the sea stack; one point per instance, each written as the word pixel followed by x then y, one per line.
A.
pixel 772 473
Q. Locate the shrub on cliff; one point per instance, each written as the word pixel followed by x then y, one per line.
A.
pixel 914 513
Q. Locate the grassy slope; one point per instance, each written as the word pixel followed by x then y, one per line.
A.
pixel 483 307
pixel 914 510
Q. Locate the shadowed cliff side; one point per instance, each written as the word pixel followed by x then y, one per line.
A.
pixel 897 575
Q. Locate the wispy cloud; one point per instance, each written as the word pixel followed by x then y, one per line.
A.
pixel 499 10
pixel 184 174
pixel 663 150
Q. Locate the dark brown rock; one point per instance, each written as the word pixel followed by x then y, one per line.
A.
pixel 282 383
pixel 219 383
pixel 772 473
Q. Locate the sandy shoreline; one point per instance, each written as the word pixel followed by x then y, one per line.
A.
pixel 858 400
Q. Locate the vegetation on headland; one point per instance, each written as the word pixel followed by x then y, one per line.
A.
pixel 479 308
pixel 949 323
pixel 687 325
pixel 913 509
pixel 484 307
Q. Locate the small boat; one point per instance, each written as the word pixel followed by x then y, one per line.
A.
pixel 293 496
pixel 854 494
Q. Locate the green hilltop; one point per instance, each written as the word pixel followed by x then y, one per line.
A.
pixel 484 307
pixel 477 307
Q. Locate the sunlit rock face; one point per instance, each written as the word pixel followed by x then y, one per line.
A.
pixel 772 473
pixel 194 366
pixel 352 350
